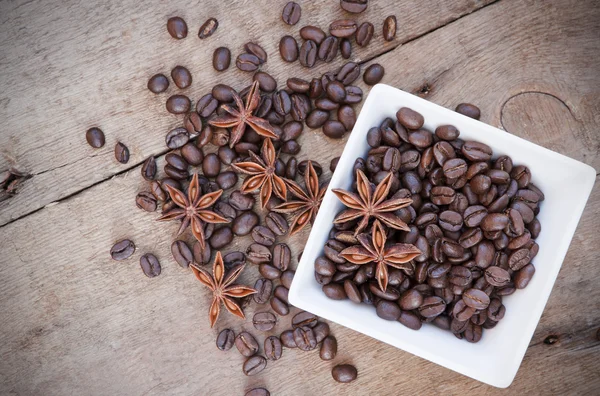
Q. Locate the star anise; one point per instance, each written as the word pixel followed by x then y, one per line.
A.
pixel 307 205
pixel 373 248
pixel 192 209
pixel 369 204
pixel 242 116
pixel 262 174
pixel 223 288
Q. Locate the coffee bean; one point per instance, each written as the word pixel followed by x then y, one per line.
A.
pixel 177 28
pixel 308 53
pixel 343 28
pixel 410 320
pixel 150 265
pixel 182 253
pixel 300 107
pixel 265 81
pixel 348 73
pixel 364 34
pixel 476 151
pixel 447 132
pixel 225 339
pixel 264 321
pixel 258 254
pixel 263 235
pixel 221 237
pixel 494 222
pixel 211 165
pixel 223 93
pixel 95 137
pixel 288 48
pixel 208 28
pixel 254 365
pixel 122 250
pixel 181 77
pixel 148 169
pixel 287 339
pixel 146 201
pixel 312 33
pixel 388 310
pixel 432 306
pixel 344 373
pixel 409 118
pixel 304 319
pixel 269 271
pixel 281 256
pixel 282 103
pixel 334 291
pixel 256 50
pixel 304 338
pixel 336 91
pixel 469 110
pixel 178 104
pixel 221 58
pixel 247 62
pixel 202 254
pixel 389 28
pixel 373 74
pixel 158 191
pixel 497 276
pixel 298 85
pixel 476 299
pixel 226 180
pixel 345 48
pixel 244 223
pixel 158 83
pixel 328 49
pixel 246 344
pixel 316 87
pixel 291 13
pixel 241 201
pixel 273 347
pixel 121 153
pixel 354 6
pixel 410 299
pixel 258 392
pixel 280 306
pixel 264 287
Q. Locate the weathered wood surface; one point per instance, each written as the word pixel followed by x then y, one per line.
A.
pixel 69 65
pixel 74 322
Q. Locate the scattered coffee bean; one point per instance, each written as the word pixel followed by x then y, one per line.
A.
pixel 178 104
pixel 287 339
pixel 308 53
pixel 122 250
pixel 264 288
pixel 254 365
pixel 220 238
pixel 373 74
pixel 354 6
pixel 158 83
pixel 343 28
pixel 246 344
pixel 208 28
pixel 256 50
pixel 280 306
pixel 95 137
pixel 146 201
pixel 288 48
pixel 225 339
pixel 150 265
pixel 221 59
pixel 291 13
pixel 258 392
pixel 181 77
pixel 389 28
pixel 182 253
pixel 469 110
pixel 344 373
pixel 264 321
pixel 121 153
pixel 328 49
pixel 177 28
pixel 247 62
pixel 345 48
pixel 328 348
pixel 273 347
pixel 364 34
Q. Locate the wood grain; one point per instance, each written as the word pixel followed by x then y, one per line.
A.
pixel 69 65
pixel 75 322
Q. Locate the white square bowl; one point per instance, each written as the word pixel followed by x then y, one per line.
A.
pixel 495 360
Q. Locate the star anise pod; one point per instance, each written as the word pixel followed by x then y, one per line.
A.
pixel 262 174
pixel 373 248
pixel 369 204
pixel 223 288
pixel 192 209
pixel 242 116
pixel 307 205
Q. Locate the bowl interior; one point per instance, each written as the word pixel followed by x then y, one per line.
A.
pixel 495 360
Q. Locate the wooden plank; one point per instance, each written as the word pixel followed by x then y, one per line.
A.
pixel 63 72
pixel 76 322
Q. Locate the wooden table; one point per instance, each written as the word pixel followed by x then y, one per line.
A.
pixel 75 322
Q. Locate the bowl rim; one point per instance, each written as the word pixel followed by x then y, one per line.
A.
pixel 304 272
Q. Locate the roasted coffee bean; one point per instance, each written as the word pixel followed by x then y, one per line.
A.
pixel 150 265
pixel 335 291
pixel 281 256
pixel 304 319
pixel 373 74
pixel 326 104
pixel 221 237
pixel 269 271
pixel 450 220
pixel 328 348
pixel 432 306
pixel 497 276
pixel 343 28
pixel 475 151
pixel 462 311
pixel 263 235
pixel 146 201
pixel 192 154
pixel 182 253
pixel 344 373
pixel 348 73
pixel 264 321
pixel 223 93
pixel 475 298
pixel 334 129
pixel 273 347
pixel 523 276
pixel 336 91
pixel 388 310
pixel 364 34
pixel 256 50
pixel 221 58
pixel 470 237
pixel 353 94
pixel 263 288
pixel 519 259
pixel 300 107
pixel 315 88
pixel 176 161
pixel 374 137
pixel 472 332
pixel 276 223
pixel 247 62
pixel 175 173
pixel 290 147
pixel 485 254
pixel 298 85
pixel 308 53
pixel 473 215
pixel 211 166
pixel 305 338
pixel 345 48
pixel 181 77
pixel 312 33
pixel 282 292
pixel 328 49
pixel 409 118
pixel 291 13
pixel 178 104
pixel 354 6
pixel 287 339
pixel 244 223
pixel 282 102
pixel 324 266
pixel 288 48
pixel 246 344
pixel 149 169
pixel 442 195
pixel 352 291
pixel 286 278
pixel 389 28
pixel 258 254
pixel 202 254
pixel 225 339
pixel 206 106
pixel 265 81
pixel 121 153
pixel 280 306
pixel 208 28
pixel 469 110
pixel 494 222
pixel 226 180
pixel 158 191
pixel 447 132
pixel 258 392
pixel 177 28
pixel 158 83
pixel 347 117
pixel 95 137
pixel 241 201
pixel 254 365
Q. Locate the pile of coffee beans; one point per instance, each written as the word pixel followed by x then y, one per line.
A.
pixel 472 216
